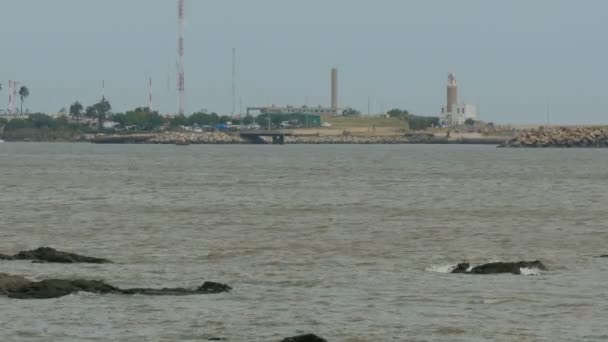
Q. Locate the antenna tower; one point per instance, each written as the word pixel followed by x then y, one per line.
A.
pixel 10 97
pixel 13 110
pixel 180 51
pixel 150 98
pixel 233 81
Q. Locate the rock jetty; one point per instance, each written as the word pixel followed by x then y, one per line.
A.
pixel 561 137
pixel 499 267
pixel 51 255
pixel 346 139
pixel 226 138
pixel 21 288
pixel 196 138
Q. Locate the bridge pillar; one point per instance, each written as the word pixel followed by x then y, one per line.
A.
pixel 278 139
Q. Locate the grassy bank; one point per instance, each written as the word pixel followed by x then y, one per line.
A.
pixel 346 123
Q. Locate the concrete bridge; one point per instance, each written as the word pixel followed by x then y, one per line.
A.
pixel 256 136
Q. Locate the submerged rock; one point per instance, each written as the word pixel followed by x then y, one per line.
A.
pixel 499 267
pixel 10 283
pixel 305 338
pixel 22 288
pixel 461 268
pixel 6 257
pixel 47 254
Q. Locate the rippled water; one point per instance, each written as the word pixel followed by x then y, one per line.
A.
pixel 336 240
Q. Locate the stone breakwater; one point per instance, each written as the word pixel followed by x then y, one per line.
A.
pixel 339 139
pixel 197 138
pixel 561 137
pixel 188 138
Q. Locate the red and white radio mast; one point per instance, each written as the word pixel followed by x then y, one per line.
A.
pixel 180 51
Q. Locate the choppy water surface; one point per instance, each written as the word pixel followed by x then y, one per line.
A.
pixel 336 240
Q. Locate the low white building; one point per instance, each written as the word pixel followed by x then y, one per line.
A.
pixel 459 114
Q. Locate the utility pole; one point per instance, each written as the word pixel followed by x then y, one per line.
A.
pixel 180 52
pixel 150 97
pixel 233 81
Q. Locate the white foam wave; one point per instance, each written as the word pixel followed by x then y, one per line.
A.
pixel 529 271
pixel 451 267
pixel 442 268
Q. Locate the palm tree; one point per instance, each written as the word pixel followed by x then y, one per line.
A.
pixel 76 110
pixel 24 92
pixel 100 111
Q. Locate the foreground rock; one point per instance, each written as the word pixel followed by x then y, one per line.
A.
pixel 499 267
pixel 305 338
pixel 561 137
pixel 22 288
pixel 47 254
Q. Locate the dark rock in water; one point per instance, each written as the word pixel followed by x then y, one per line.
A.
pixel 6 257
pixel 206 288
pixel 211 287
pixel 506 267
pixel 305 338
pixel 10 283
pixel 47 254
pixel 22 288
pixel 601 256
pixel 499 267
pixel 461 268
pixel 56 288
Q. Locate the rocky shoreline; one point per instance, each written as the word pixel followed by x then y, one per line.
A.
pixel 221 138
pixel 564 137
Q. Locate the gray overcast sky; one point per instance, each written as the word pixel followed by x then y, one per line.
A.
pixel 511 57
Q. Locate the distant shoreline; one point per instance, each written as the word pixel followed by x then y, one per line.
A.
pixel 219 138
pixel 226 139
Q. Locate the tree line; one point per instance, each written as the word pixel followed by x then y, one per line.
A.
pixel 415 122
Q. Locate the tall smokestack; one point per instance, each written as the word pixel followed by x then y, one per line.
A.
pixel 452 93
pixel 334 89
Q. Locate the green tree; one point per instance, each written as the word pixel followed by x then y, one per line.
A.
pixel 24 93
pixel 99 111
pixel 469 122
pixel 76 110
pixel 141 118
pixel 398 113
pixel 350 112
pixel 179 120
pixel 248 120
pixel 90 112
pixel 102 108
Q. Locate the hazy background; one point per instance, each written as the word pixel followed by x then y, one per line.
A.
pixel 511 57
